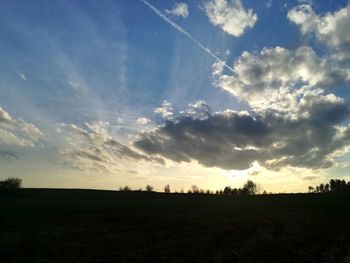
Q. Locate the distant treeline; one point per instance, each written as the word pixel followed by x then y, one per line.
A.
pixel 249 188
pixel 334 186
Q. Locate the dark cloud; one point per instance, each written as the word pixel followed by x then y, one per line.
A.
pixel 234 141
pixel 124 151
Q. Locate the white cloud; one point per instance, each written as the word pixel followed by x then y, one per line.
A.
pixel 17 131
pixel 143 121
pixel 165 110
pixel 231 16
pixel 179 9
pixel 276 78
pixel 21 75
pixel 331 29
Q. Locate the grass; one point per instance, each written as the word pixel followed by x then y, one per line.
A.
pixel 56 225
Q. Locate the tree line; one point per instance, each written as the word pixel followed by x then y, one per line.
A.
pixel 334 186
pixel 249 188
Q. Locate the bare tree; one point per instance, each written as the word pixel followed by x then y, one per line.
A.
pixel 250 188
pixel 195 189
pixel 149 188
pixel 166 188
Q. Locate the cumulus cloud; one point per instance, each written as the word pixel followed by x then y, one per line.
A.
pixel 233 140
pixel 278 78
pixel 294 119
pixel 93 148
pixel 17 131
pixel 179 9
pixel 165 110
pixel 331 29
pixel 231 16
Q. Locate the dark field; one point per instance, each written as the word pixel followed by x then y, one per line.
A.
pixel 106 226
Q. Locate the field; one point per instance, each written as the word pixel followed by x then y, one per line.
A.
pixel 46 225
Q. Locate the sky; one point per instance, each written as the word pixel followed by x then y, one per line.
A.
pixel 210 93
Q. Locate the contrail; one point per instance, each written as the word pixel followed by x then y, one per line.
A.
pixel 188 35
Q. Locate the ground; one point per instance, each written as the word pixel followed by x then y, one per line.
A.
pixel 47 225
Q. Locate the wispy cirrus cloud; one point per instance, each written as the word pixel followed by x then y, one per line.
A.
pixel 94 148
pixel 17 131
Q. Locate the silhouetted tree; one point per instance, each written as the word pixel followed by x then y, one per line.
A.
pixel 250 188
pixel 317 189
pixel 227 190
pixel 10 184
pixel 167 188
pixel 334 186
pixel 125 189
pixel 321 188
pixel 326 188
pixel 149 188
pixel 195 189
pixel 234 191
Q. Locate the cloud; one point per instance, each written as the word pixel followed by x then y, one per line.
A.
pixel 231 16
pixel 269 4
pixel 74 84
pixel 331 29
pixel 179 9
pixel 17 131
pixel 165 110
pixel 93 148
pixel 278 78
pixel 233 140
pixel 294 119
pixel 22 76
pixel 198 109
pixel 143 121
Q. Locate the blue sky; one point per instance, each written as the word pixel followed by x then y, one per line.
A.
pixel 116 71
